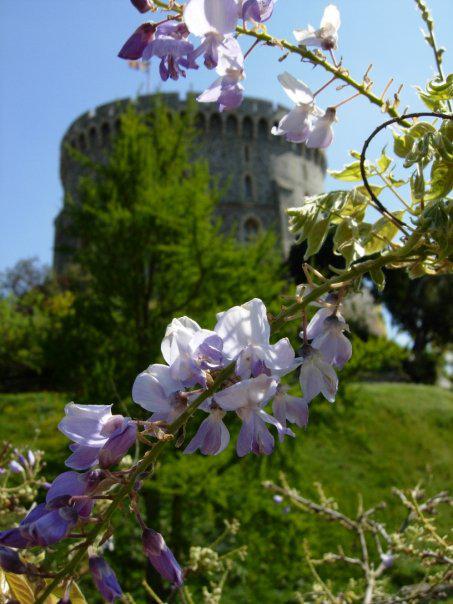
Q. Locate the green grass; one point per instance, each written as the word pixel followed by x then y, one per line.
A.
pixel 375 437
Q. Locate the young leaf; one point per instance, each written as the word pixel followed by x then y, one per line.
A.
pixel 350 172
pixel 441 180
pixel 383 163
pixel 378 277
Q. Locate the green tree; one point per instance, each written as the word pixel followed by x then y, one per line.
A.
pixel 150 248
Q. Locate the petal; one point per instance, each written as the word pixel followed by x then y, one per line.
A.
pixel 331 18
pixel 152 388
pixel 294 125
pixel 211 94
pixel 254 392
pixel 136 44
pixel 296 410
pixel 311 381
pixel 269 419
pixel 230 56
pixel 245 437
pixel 177 336
pixel 243 325
pixel 66 485
pixel 279 357
pixel 83 423
pixel 329 382
pixel 322 134
pixel 83 457
pixel 203 16
pixel 297 91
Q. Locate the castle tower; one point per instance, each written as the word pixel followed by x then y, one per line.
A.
pixel 264 174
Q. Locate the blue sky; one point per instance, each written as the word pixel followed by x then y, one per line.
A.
pixel 58 59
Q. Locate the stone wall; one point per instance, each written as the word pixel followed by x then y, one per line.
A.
pixel 262 174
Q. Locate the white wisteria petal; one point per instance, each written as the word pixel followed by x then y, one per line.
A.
pixel 153 388
pixel 242 326
pixel 297 91
pixel 203 16
pixel 331 18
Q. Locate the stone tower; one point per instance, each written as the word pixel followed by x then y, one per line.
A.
pixel 265 174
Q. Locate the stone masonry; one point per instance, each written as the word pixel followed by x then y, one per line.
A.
pixel 264 174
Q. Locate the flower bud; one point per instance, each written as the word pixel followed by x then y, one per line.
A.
pixel 10 561
pixel 142 6
pixel 161 557
pixel 105 579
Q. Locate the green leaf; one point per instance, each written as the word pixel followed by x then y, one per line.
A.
pixel 383 163
pixel 420 129
pixel 395 182
pixel 377 275
pixel 441 180
pixel 316 237
pixel 402 144
pixel 437 92
pixel 381 233
pixel 350 172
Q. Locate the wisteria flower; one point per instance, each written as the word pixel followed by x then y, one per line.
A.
pixel 105 579
pixel 296 125
pixel 94 430
pixel 212 436
pixel 326 37
pixel 316 325
pixel 248 398
pixel 245 332
pixel 69 485
pixel 155 390
pixel 134 47
pixel 317 376
pixel 170 44
pixel 227 90
pixel 191 351
pixel 161 557
pixel 41 526
pixel 290 408
pixel 321 133
pixel 257 10
pixel 334 346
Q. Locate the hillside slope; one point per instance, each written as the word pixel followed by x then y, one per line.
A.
pixel 376 437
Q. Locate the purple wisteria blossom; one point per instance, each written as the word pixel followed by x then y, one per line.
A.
pixel 227 90
pixel 134 47
pixel 316 376
pixel 248 398
pixel 155 390
pixel 171 46
pixel 212 436
pixel 210 20
pixel 96 434
pixel 296 125
pixel 334 346
pixel 326 37
pixel 245 332
pixel 191 351
pixel 105 579
pixel 161 557
pixel 69 485
pixel 286 407
pixel 257 10
pixel 41 526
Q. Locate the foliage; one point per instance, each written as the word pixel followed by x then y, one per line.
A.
pixel 377 547
pixel 377 357
pixel 149 248
pixel 351 448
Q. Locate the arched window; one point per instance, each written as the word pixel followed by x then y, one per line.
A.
pixel 118 125
pixel 248 187
pixel 105 133
pixel 82 142
pixel 93 135
pixel 215 124
pixel 263 129
pixel 251 228
pixel 247 128
pixel 232 125
pixel 246 153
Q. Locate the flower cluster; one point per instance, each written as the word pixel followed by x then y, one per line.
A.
pixel 213 24
pixel 251 369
